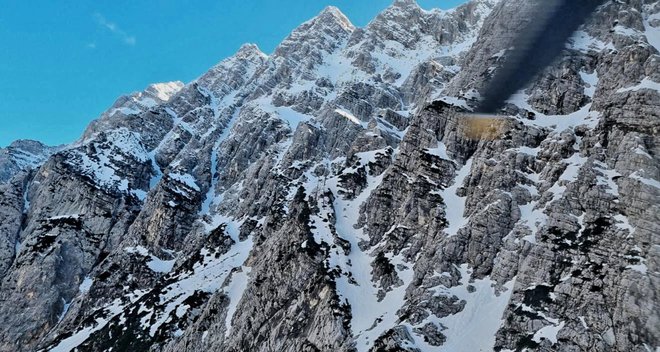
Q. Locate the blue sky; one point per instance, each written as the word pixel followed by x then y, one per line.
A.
pixel 64 62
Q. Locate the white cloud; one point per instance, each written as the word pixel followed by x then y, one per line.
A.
pixel 128 39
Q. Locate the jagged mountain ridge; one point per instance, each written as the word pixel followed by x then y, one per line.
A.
pixel 314 200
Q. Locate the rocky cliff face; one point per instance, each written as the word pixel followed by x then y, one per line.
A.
pixel 327 197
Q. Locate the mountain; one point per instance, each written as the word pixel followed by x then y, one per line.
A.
pixel 329 197
pixel 22 155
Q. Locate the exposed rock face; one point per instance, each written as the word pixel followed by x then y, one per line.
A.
pixel 327 197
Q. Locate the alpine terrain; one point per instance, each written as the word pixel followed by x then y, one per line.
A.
pixel 328 197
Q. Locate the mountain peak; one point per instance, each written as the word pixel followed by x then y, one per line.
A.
pixel 324 32
pixel 332 14
pixel 22 154
pixel 165 91
pixel 249 50
pixel 404 5
pixel 400 11
pixel 27 145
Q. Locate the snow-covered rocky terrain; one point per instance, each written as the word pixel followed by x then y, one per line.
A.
pixel 326 197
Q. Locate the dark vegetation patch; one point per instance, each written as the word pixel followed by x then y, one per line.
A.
pixel 43 242
pixel 538 296
pixel 526 342
pixel 353 183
